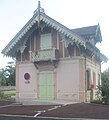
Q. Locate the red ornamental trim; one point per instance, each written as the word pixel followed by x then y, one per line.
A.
pixel 26 76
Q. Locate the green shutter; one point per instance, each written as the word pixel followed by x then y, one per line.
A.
pixel 46 41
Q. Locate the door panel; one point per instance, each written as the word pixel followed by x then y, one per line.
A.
pixel 50 91
pixel 42 79
pixel 46 85
pixel 42 92
pixel 49 79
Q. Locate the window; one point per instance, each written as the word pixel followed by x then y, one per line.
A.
pixel 88 79
pixel 46 41
pixel 94 80
pixel 99 80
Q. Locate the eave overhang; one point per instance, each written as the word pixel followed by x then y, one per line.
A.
pixel 50 22
pixel 98 35
pixel 19 35
pixel 63 30
pixel 103 58
pixel 90 32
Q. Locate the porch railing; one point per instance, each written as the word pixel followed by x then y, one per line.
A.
pixel 45 55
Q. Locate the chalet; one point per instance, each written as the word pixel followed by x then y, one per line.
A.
pixel 54 62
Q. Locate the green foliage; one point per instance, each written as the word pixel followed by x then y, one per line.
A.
pixel 3 96
pixel 2 77
pixel 7 95
pixel 7 74
pixel 104 88
pixel 96 101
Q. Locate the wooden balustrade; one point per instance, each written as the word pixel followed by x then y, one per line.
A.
pixel 45 55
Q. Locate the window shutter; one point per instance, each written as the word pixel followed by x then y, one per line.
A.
pixel 46 41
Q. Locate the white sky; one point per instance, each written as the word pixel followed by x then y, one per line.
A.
pixel 14 14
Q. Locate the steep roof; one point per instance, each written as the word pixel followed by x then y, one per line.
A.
pixel 74 35
pixel 50 22
pixel 90 31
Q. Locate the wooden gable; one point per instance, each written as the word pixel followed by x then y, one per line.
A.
pixel 19 41
pixel 39 24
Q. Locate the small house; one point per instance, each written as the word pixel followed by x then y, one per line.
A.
pixel 54 62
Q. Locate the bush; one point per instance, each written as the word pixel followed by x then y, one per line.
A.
pixel 104 93
pixel 104 88
pixel 3 96
pixel 96 101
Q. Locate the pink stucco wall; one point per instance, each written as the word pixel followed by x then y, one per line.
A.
pixel 82 79
pixel 68 80
pixel 26 89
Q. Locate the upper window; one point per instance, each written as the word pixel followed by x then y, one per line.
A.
pixel 46 41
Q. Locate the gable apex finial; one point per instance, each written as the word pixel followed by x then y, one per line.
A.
pixel 38 5
pixel 39 9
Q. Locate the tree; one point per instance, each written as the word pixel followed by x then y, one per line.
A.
pixel 105 86
pixel 7 74
pixel 2 77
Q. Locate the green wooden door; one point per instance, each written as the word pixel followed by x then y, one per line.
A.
pixel 46 85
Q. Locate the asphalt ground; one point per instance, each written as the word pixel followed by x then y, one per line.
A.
pixel 70 111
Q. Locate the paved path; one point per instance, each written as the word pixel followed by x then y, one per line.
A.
pixel 78 111
pixel 9 117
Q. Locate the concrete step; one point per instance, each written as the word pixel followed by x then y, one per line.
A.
pixel 47 102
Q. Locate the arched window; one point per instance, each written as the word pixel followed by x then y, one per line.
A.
pixel 88 79
pixel 71 49
pixel 99 83
pixel 94 80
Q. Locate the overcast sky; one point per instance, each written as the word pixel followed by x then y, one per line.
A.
pixel 14 14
